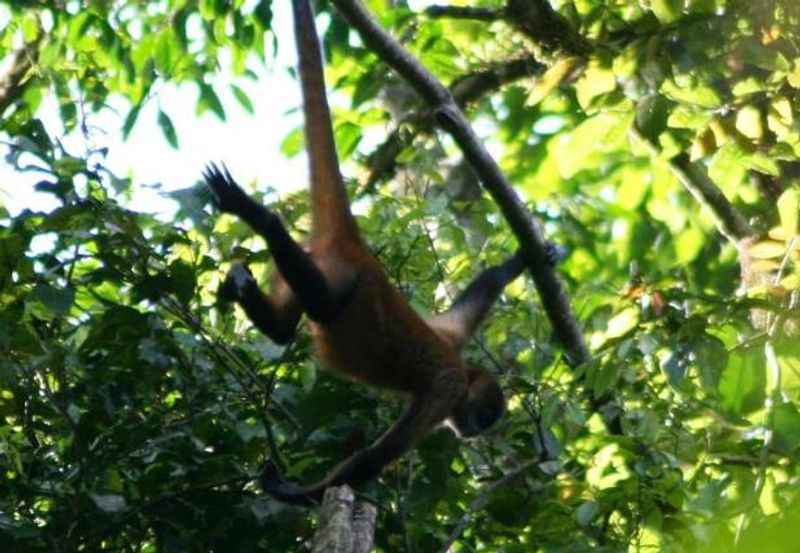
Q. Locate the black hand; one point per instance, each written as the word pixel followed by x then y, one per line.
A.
pixel 555 253
pixel 227 196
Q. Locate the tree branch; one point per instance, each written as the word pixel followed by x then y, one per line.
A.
pixel 451 119
pixel 694 178
pixel 465 90
pixel 465 12
pixel 345 526
pixel 547 28
pixel 12 82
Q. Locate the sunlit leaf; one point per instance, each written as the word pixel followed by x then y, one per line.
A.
pixel 767 249
pixel 165 123
pixel 789 210
pixel 243 99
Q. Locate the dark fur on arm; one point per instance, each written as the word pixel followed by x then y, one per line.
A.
pixel 472 305
pixel 318 300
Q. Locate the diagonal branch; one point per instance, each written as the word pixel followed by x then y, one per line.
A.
pixel 536 19
pixel 465 90
pixel 465 12
pixel 12 83
pixel 450 117
pixel 694 178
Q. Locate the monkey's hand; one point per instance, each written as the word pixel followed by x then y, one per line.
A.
pixel 238 280
pixel 556 253
pixel 227 196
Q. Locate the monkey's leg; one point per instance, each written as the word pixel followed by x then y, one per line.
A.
pixel 312 290
pixel 275 315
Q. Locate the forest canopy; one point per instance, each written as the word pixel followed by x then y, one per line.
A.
pixel 652 406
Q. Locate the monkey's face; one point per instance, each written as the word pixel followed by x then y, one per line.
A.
pixel 483 405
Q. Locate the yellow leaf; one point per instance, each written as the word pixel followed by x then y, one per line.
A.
pixel 788 205
pixel 621 323
pixel 791 282
pixel 767 249
pixel 764 265
pixel 778 233
pixel 749 122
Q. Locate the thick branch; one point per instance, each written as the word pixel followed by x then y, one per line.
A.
pixel 694 177
pixel 345 526
pixel 536 19
pixel 465 90
pixel 451 118
pixel 465 12
pixel 12 83
pixel 546 27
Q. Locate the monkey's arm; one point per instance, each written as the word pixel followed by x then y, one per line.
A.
pixel 313 292
pixel 421 416
pixel 275 315
pixel 471 307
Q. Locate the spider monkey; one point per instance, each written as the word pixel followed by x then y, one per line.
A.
pixel 362 327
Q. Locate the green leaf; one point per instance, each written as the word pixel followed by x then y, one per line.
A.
pixel 348 135
pixel 263 13
pixel 596 80
pixel 163 51
pixel 293 143
pixel 587 512
pixel 710 358
pixel 651 115
pixel 243 99
pixel 622 323
pixel 30 27
pixel 209 100
pixel 742 385
pixel 786 423
pixel 57 301
pixel 167 129
pixel 695 92
pixel 667 11
pixel 130 121
pixel 688 245
pixel 750 122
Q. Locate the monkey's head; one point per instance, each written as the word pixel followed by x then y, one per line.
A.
pixel 481 407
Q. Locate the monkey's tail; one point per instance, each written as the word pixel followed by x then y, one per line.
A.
pixel 330 205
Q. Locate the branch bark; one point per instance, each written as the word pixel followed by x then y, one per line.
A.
pixel 694 178
pixel 345 525
pixel 465 90
pixel 12 82
pixel 450 117
pixel 464 12
pixel 536 19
